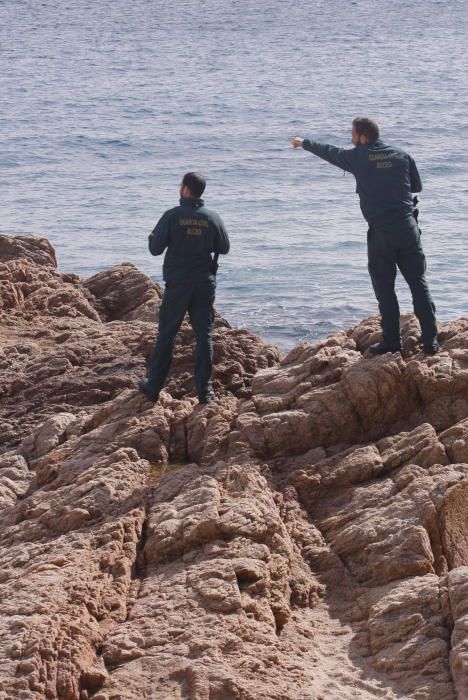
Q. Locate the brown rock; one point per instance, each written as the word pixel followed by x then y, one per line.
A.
pixel 69 345
pixel 124 293
pixel 304 536
pixel 457 583
pixel 38 250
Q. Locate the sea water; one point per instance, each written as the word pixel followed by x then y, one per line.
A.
pixel 106 103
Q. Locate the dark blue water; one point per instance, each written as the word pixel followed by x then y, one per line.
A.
pixel 106 104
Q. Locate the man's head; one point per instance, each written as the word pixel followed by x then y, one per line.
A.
pixel 364 130
pixel 192 185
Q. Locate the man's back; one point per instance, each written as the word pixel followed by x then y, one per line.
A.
pixel 385 177
pixel 190 232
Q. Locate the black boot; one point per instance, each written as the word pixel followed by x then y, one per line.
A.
pixel 431 348
pixel 145 390
pixel 208 397
pixel 382 348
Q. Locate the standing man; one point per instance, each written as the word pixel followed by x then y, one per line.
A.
pixel 190 232
pixel 385 179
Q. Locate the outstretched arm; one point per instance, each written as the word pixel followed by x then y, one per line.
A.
pixel 341 157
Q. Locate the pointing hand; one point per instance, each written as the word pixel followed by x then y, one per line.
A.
pixel 297 142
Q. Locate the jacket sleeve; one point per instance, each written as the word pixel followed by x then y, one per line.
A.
pixel 159 238
pixel 341 157
pixel 416 184
pixel 222 244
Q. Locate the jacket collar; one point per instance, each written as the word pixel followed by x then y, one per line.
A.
pixel 191 202
pixel 375 143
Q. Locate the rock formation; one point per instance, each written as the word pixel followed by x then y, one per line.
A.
pixel 305 537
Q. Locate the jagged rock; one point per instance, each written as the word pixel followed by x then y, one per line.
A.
pixel 15 478
pixel 66 554
pixel 124 293
pixel 38 250
pixel 409 638
pixel 218 557
pixel 28 290
pixel 457 585
pixel 69 345
pixel 304 536
pixel 47 437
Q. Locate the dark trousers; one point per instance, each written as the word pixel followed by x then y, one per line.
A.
pixel 398 245
pixel 179 297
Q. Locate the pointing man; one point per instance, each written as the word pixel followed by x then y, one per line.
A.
pixel 385 179
pixel 190 232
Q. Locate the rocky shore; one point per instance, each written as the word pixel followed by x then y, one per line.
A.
pixel 305 537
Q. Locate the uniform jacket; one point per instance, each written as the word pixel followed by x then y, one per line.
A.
pixel 385 177
pixel 190 232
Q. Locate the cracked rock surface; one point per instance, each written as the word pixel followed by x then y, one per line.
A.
pixel 304 537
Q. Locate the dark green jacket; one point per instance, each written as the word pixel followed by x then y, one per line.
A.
pixel 190 232
pixel 385 177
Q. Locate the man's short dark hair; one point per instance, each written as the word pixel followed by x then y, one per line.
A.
pixel 366 127
pixel 195 182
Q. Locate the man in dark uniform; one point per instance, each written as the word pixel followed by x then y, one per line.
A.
pixel 385 179
pixel 190 232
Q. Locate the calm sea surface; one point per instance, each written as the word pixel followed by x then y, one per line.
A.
pixel 106 103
